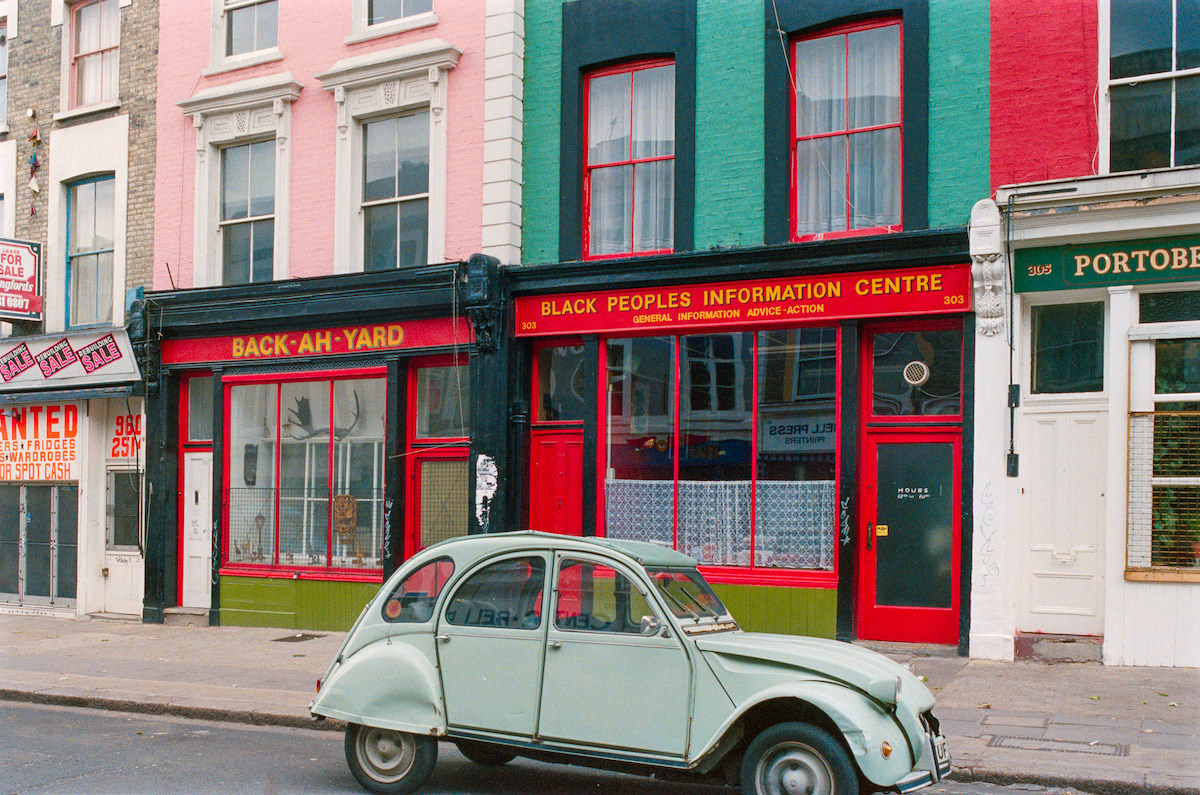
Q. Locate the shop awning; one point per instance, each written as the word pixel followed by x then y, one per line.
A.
pixel 58 395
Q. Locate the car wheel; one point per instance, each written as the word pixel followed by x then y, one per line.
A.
pixel 388 761
pixel 485 753
pixel 797 759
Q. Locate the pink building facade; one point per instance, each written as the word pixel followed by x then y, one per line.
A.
pixel 325 169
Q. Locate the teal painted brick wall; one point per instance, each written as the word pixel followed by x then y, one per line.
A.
pixel 729 123
pixel 959 110
pixel 543 63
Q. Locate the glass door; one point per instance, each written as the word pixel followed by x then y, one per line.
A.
pixel 38 543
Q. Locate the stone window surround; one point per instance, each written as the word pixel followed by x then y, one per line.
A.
pixel 250 110
pixel 220 62
pixel 60 14
pixel 375 85
pixel 361 31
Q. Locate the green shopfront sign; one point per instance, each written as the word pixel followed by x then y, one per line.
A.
pixel 1106 264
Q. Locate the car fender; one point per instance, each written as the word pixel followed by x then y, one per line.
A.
pixel 863 724
pixel 390 684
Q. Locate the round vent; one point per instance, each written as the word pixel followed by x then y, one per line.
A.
pixel 916 373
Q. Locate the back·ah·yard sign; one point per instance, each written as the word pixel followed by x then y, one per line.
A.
pixel 20 280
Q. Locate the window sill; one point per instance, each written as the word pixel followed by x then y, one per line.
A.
pixel 87 110
pixel 246 60
pixel 788 578
pixel 1162 575
pixel 874 230
pixel 628 255
pixel 367 32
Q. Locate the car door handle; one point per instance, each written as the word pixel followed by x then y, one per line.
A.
pixel 556 644
pixel 443 638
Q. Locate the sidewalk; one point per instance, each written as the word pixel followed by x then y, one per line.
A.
pixel 1098 729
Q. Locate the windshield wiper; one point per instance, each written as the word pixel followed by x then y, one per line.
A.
pixel 682 606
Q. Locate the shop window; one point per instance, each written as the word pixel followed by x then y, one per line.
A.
pixel 412 600
pixel 1068 348
pixel 846 144
pixel 505 595
pixel 596 598
pixel 443 402
pixel 124 509
pixel 629 172
pixel 95 40
pixel 437 453
pixel 716 490
pixel 200 409
pixel 306 468
pixel 90 208
pixel 1164 462
pixel 561 384
pixel 250 25
pixel 248 213
pixel 1154 96
pixel 1169 307
pixel 916 373
pixel 395 192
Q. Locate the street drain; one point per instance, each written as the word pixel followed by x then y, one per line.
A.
pixel 1070 746
pixel 297 638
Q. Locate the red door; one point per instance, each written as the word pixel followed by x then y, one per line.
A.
pixel 910 539
pixel 909 548
pixel 556 481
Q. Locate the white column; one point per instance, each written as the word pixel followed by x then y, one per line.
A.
pixel 993 580
pixel 1122 313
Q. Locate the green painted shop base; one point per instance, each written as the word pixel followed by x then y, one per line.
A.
pixel 333 606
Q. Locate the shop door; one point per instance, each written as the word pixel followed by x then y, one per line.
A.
pixel 39 543
pixel 911 483
pixel 908 587
pixel 556 481
pixel 196 568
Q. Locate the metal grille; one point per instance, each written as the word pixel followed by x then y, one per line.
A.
pixel 1164 490
pixel 444 501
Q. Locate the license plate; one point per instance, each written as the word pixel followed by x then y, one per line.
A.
pixel 941 755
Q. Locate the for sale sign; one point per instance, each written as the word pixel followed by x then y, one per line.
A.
pixel 20 281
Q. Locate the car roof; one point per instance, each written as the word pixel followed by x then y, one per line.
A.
pixel 644 553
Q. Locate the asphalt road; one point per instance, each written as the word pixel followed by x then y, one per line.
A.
pixel 65 750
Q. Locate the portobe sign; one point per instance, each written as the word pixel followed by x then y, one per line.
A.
pixel 1105 264
pixel 20 285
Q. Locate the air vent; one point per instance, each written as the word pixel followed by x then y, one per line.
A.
pixel 916 373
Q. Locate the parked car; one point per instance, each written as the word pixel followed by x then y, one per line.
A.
pixel 612 654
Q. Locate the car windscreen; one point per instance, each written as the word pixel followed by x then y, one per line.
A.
pixel 687 593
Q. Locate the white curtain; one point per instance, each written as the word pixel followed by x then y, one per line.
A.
pixel 874 75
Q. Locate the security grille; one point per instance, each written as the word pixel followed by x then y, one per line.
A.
pixel 1164 490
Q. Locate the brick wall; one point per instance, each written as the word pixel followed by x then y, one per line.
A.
pixel 729 123
pixel 958 110
pixel 543 46
pixel 1044 71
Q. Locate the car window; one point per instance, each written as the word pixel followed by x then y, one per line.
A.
pixel 595 598
pixel 688 594
pixel 411 602
pixel 506 594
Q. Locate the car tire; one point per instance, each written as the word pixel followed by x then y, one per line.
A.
pixel 485 753
pixel 797 757
pixel 389 761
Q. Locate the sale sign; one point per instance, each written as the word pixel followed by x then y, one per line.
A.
pixel 70 359
pixel 20 283
pixel 39 442
pixel 761 302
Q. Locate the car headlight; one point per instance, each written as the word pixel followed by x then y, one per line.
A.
pixel 886 690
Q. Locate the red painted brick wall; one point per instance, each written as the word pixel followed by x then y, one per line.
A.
pixel 1044 75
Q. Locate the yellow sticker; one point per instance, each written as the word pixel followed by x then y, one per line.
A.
pixel 881 530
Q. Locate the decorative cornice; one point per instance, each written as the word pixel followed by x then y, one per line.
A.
pixel 243 94
pixel 412 59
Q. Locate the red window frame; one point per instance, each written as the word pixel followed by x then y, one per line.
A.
pixel 76 55
pixel 422 450
pixel 846 132
pixel 274 568
pixel 752 574
pixel 630 69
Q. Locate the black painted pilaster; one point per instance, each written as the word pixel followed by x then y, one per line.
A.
pixel 848 509
pixel 488 478
pixel 393 449
pixel 967 526
pixel 591 439
pixel 218 494
pixel 162 478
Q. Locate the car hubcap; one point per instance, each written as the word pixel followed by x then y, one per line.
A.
pixel 793 769
pixel 387 755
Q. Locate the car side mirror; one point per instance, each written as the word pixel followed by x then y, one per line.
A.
pixel 650 626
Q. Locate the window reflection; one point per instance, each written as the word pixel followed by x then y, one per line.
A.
pixel 917 373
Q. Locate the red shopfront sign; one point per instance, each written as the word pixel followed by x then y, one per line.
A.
pixel 761 302
pixel 339 341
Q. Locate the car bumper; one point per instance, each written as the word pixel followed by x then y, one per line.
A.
pixel 932 766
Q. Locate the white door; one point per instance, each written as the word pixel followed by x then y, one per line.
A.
pixel 197 530
pixel 1064 470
